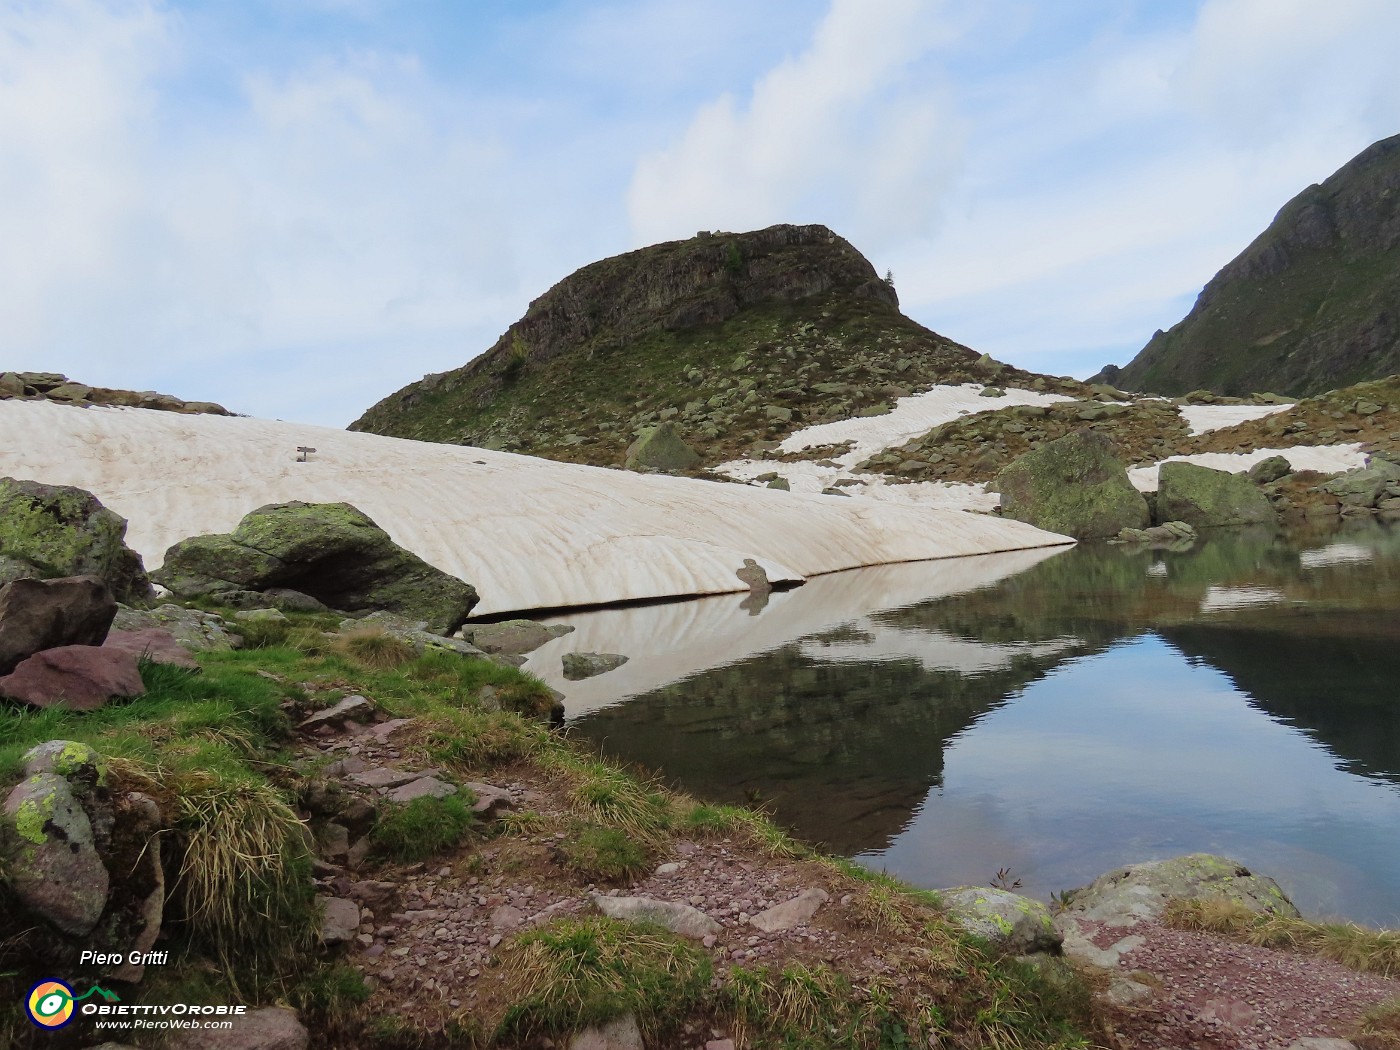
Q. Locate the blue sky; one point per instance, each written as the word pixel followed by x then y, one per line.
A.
pixel 296 207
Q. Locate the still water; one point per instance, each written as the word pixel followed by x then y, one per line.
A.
pixel 1055 713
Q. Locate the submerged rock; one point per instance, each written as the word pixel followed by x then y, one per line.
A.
pixel 1075 485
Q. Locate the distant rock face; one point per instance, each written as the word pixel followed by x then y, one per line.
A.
pixel 49 386
pixel 1075 485
pixel 1204 498
pixel 58 530
pixel 330 551
pixel 1312 304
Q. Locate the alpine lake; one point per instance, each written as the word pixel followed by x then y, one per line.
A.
pixel 1047 715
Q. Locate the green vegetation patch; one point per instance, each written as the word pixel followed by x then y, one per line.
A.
pixel 424 827
pixel 604 854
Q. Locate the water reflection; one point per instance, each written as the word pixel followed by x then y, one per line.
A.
pixel 1097 706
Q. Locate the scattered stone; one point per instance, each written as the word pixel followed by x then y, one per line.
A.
pixel 340 920
pixel 792 912
pixel 585 665
pixel 423 787
pixel 619 1034
pixel 260 615
pixel 506 917
pixel 1012 923
pixel 380 777
pixel 1124 991
pixel 271 1028
pixel 353 708
pixel 680 919
pixel 50 858
pixel 1321 1042
pixel 42 614
pixel 781 484
pixel 490 801
pixel 77 677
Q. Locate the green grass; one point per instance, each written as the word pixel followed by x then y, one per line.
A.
pixel 604 854
pixel 425 827
pixel 580 972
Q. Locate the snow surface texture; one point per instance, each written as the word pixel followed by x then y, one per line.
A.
pixel 1326 459
pixel 1204 418
pixel 665 643
pixel 528 533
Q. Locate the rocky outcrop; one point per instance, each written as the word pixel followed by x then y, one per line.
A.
pixel 1312 304
pixel 49 386
pixel 194 629
pixel 512 637
pixel 1205 498
pixel 57 530
pixel 330 551
pixel 42 614
pixel 1075 485
pixel 1368 487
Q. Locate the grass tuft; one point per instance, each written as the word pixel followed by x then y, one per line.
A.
pixel 604 854
pixel 373 649
pixel 424 827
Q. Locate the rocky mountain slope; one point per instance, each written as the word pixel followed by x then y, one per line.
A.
pixel 738 339
pixel 1312 304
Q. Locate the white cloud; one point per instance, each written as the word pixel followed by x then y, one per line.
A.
pixel 850 133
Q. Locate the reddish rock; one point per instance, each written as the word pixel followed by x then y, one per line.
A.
pixel 80 677
pixel 154 644
pixel 41 614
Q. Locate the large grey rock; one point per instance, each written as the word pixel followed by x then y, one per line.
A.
pixel 340 920
pixel 1365 487
pixel 512 637
pixel 42 614
pixel 681 919
pixel 77 677
pixel 621 1033
pixel 1008 921
pixel 51 861
pixel 1203 497
pixel 1141 891
pixel 661 448
pixel 271 1028
pixel 578 666
pixel 195 630
pixel 792 912
pixel 59 530
pixel 1269 470
pixel 330 551
pixel 1075 485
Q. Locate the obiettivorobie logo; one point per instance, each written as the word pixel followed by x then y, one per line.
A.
pixel 52 1004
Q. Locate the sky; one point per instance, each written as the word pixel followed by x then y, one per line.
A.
pixel 296 207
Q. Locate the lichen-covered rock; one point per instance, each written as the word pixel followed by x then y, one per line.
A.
pixel 1365 487
pixel 58 530
pixel 1141 891
pixel 1075 485
pixel 1010 922
pixel 1269 470
pixel 41 614
pixel 330 551
pixel 50 858
pixel 1206 498
pixel 194 629
pixel 578 666
pixel 661 448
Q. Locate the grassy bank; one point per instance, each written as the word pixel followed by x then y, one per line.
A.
pixel 218 752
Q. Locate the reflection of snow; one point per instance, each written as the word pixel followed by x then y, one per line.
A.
pixel 1218 598
pixel 1157 568
pixel 935 650
pixel 1204 418
pixel 1326 459
pixel 1335 554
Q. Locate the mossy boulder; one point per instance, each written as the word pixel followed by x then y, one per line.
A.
pixel 1141 891
pixel 1075 485
pixel 1203 497
pixel 661 448
pixel 48 531
pixel 1365 487
pixel 50 859
pixel 330 551
pixel 1011 923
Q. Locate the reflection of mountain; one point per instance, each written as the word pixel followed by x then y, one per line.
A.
pixel 843 751
pixel 1337 685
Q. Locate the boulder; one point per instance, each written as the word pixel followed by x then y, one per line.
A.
pixel 152 644
pixel 1141 891
pixel 271 1028
pixel 1075 485
pixel 1011 923
pixel 661 448
pixel 1205 498
pixel 195 630
pixel 330 551
pixel 63 531
pixel 621 1033
pixel 41 614
pixel 77 677
pixel 1269 470
pixel 792 912
pixel 50 858
pixel 512 637
pixel 585 665
pixel 1365 487
pixel 340 920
